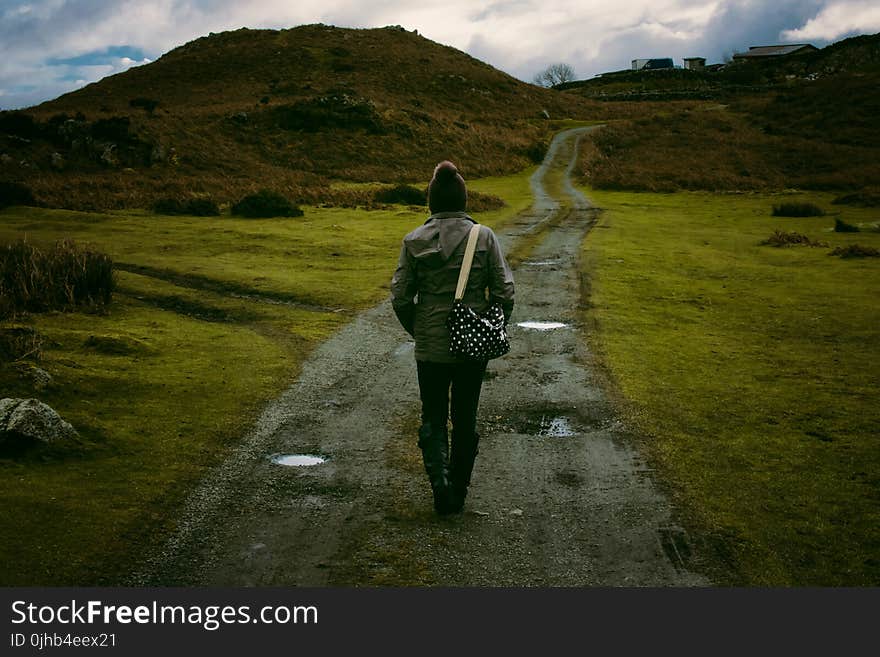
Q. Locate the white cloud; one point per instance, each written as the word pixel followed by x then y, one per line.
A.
pixel 128 62
pixel 517 36
pixel 21 10
pixel 837 20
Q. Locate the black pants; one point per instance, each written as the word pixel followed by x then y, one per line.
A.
pixel 465 380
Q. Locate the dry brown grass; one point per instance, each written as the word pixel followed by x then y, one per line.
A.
pixel 425 103
pixel 798 122
pixel 59 278
pixel 821 135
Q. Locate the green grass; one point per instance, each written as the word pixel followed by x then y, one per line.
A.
pixel 154 418
pixel 515 190
pixel 752 371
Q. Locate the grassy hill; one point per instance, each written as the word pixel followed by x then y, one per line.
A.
pixel 807 122
pixel 289 109
pixel 857 55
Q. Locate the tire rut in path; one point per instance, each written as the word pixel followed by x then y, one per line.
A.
pixel 559 495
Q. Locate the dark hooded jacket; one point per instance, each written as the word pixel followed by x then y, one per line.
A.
pixel 423 287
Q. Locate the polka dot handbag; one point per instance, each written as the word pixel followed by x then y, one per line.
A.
pixel 472 335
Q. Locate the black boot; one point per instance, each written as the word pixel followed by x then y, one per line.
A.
pixel 464 453
pixel 435 453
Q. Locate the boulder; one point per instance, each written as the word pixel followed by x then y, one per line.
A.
pixel 57 161
pixel 40 379
pixel 31 419
pixel 108 156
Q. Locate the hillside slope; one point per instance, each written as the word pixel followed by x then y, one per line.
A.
pixel 808 122
pixel 854 56
pixel 290 109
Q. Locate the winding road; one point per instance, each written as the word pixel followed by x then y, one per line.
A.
pixel 560 495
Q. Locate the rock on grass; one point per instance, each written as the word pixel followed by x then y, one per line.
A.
pixel 31 419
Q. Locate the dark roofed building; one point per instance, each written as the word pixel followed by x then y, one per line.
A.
pixel 760 52
pixel 652 64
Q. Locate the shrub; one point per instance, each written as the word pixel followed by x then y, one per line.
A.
pixel 781 238
pixel 841 226
pixel 797 210
pixel 18 342
pixel 147 104
pixel 537 151
pixel 60 278
pixel 335 111
pixel 19 125
pixel 168 206
pixel 866 199
pixel 856 251
pixel 265 204
pixel 478 202
pixel 403 194
pixel 197 207
pixel 13 193
pixel 115 129
pixel 202 207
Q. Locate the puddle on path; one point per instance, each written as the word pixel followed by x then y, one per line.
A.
pixel 542 326
pixel 544 425
pixel 556 427
pixel 298 460
pixel 541 263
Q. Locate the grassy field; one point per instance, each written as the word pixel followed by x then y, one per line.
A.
pixel 752 372
pixel 821 136
pixel 166 381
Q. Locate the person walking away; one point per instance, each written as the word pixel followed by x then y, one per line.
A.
pixel 422 292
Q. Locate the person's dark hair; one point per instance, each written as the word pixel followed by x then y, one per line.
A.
pixel 447 191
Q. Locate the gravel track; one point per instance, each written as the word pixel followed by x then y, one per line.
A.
pixel 560 496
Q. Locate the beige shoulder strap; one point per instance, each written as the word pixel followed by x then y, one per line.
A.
pixel 467 262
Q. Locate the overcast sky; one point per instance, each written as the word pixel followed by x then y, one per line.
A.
pixel 49 47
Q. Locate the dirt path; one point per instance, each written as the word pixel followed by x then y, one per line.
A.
pixel 560 497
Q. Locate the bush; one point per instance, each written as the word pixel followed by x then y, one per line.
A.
pixel 19 124
pixel 197 207
pixel 13 193
pixel 841 226
pixel 168 206
pixel 265 204
pixel 147 104
pixel 202 207
pixel 537 151
pixel 17 342
pixel 403 194
pixel 115 129
pixel 865 199
pixel 335 111
pixel 61 278
pixel 478 202
pixel 781 238
pixel 798 210
pixel 856 251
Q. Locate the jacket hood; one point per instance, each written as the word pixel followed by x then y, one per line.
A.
pixel 440 235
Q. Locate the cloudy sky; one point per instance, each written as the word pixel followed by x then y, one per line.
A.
pixel 49 47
